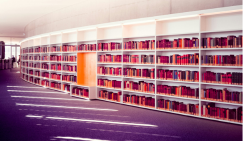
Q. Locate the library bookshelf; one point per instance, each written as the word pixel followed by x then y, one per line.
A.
pixel 200 24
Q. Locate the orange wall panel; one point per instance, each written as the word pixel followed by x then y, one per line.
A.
pixel 86 69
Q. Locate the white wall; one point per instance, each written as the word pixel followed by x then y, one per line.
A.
pixel 91 12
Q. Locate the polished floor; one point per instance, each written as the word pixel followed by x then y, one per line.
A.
pixel 32 113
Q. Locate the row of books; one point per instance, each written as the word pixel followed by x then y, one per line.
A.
pixel 45 83
pixel 37 58
pixel 31 79
pixel 181 43
pixel 69 68
pixel 80 92
pixel 234 78
pixel 55 58
pixel 69 58
pixel 230 41
pixel 56 67
pixel 69 78
pixel 36 65
pixel 176 59
pixel 109 46
pixel 140 73
pixel 210 110
pixel 139 86
pixel 178 75
pixel 37 81
pixel 25 51
pixel 139 100
pixel 180 91
pixel 44 58
pixel 87 47
pixel 25 57
pixel 56 85
pixel 37 73
pixel 68 48
pixel 109 83
pixel 55 76
pixel 44 49
pixel 180 107
pixel 66 87
pixel 31 58
pixel 101 70
pixel 31 50
pixel 31 65
pixel 139 45
pixel 222 95
pixel 45 66
pixel 108 95
pixel 134 59
pixel 222 60
pixel 45 74
pixel 30 72
pixel 55 49
pixel 37 50
pixel 108 58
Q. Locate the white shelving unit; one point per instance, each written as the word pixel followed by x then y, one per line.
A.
pixel 222 23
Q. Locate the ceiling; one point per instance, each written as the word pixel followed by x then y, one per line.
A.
pixel 16 14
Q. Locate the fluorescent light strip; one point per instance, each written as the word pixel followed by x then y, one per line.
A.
pixel 34 116
pixel 49 98
pixel 55 106
pixel 22 87
pixel 35 91
pixel 102 121
pixel 77 138
pixel 181 17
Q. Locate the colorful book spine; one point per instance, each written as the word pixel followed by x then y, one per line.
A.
pixel 221 95
pixel 234 78
pixel 211 111
pixel 180 107
pixel 222 42
pixel 82 92
pixel 179 91
pixel 112 46
pixel 139 100
pixel 181 43
pixel 222 60
pixel 108 95
pixel 37 73
pixel 69 78
pixel 44 50
pixel 68 48
pixel 138 59
pixel 178 75
pixel 66 87
pixel 175 59
pixel 55 49
pixel 36 81
pixel 45 74
pixel 109 83
pixel 87 47
pixel 101 70
pixel 45 66
pixel 139 45
pixel 55 58
pixel 69 68
pixel 69 58
pixel 108 58
pixel 55 76
pixel 45 83
pixel 56 85
pixel 37 50
pixel 139 86
pixel 139 73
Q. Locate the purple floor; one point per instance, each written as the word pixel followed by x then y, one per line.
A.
pixel 24 116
